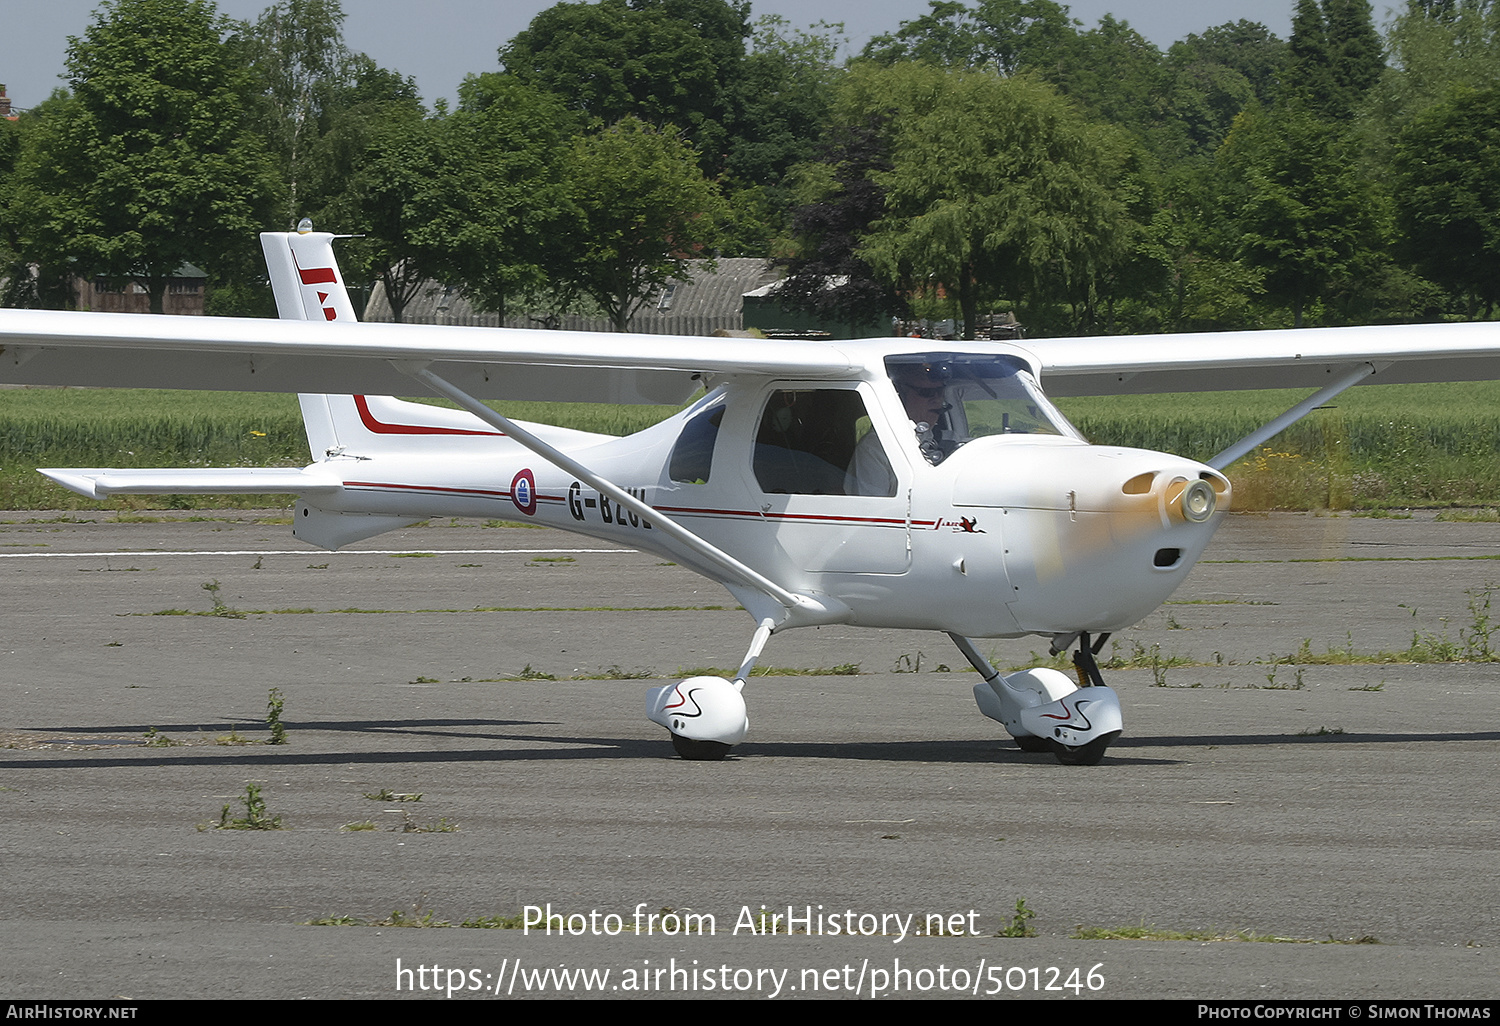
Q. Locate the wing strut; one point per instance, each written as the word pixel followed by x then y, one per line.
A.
pixel 1290 417
pixel 805 608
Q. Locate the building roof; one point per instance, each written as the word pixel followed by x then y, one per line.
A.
pixel 712 300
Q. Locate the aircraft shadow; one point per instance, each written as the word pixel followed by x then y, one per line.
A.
pixel 562 748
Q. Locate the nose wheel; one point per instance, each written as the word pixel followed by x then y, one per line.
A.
pixel 1083 755
pixel 1044 711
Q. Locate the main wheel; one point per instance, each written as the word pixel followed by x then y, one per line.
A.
pixel 1032 743
pixel 701 751
pixel 1083 755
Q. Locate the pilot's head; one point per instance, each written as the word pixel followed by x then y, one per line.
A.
pixel 922 388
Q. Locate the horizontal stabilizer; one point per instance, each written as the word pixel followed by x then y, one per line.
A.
pixel 100 483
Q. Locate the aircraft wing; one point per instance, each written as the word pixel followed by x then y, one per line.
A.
pixel 1290 358
pixel 47 347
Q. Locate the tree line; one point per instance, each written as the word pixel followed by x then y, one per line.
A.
pixel 987 156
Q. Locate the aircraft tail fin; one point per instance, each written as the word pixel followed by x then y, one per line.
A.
pixel 309 286
pixel 305 277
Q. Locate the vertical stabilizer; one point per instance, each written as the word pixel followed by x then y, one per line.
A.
pixel 305 277
pixel 309 287
pixel 322 428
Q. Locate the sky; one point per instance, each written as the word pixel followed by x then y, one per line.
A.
pixel 439 42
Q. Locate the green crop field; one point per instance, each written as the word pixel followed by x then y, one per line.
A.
pixel 1374 447
pixel 1378 446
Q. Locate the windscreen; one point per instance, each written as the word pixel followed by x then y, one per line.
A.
pixel 961 396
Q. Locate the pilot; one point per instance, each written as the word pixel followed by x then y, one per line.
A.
pixel 922 388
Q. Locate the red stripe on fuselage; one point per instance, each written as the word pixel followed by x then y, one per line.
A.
pixel 820 517
pixel 690 510
pixel 380 427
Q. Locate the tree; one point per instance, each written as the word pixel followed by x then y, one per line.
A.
pixel 1005 35
pixel 1211 78
pixel 498 213
pixel 1113 71
pixel 385 163
pixel 1448 194
pixel 1309 66
pixel 1247 47
pixel 784 90
pixel 997 186
pixel 1335 57
pixel 644 210
pixel 151 162
pixel 840 202
pixel 947 36
pixel 1435 48
pixel 662 62
pixel 297 51
pixel 1355 50
pixel 1308 216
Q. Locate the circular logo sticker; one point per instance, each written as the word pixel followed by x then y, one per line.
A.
pixel 523 492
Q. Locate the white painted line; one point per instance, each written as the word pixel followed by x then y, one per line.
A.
pixel 310 552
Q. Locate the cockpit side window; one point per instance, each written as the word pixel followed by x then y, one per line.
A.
pixel 809 441
pixel 693 455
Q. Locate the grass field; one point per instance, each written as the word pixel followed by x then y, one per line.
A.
pixel 1378 447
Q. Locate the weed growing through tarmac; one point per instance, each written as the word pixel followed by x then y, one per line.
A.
pixel 387 795
pixel 617 672
pixel 841 670
pixel 906 663
pixel 1476 637
pixel 411 826
pixel 256 816
pixel 419 917
pixel 1155 933
pixel 156 739
pixel 527 673
pixel 275 703
pixel 416 918
pixel 1020 923
pixel 221 608
pixel 1271 685
pixel 516 922
pixel 357 611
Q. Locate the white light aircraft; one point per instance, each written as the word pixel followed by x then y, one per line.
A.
pixel 891 482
